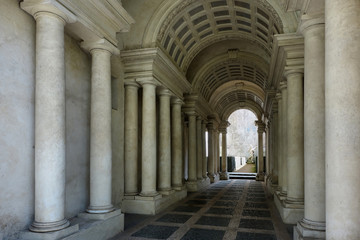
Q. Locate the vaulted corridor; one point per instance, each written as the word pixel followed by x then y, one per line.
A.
pixel 114 107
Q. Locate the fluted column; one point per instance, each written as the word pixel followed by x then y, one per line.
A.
pixel 49 122
pixel 284 173
pixel 295 137
pixel 205 163
pixel 211 151
pixel 176 145
pixel 148 150
pixel 131 138
pixel 100 131
pixel 279 142
pixel 192 148
pixel 313 224
pixel 342 118
pixel 199 149
pixel 164 142
pixel 260 168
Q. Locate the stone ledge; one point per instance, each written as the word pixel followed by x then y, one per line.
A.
pixel 197 185
pixel 290 214
pixel 91 229
pixel 303 233
pixel 61 234
pixel 138 205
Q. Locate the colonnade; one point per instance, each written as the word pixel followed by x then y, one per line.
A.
pixel 313 129
pixel 50 128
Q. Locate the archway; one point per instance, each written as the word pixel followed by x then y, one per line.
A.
pixel 242 141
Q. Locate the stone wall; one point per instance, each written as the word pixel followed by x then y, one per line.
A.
pixel 17 91
pixel 17 78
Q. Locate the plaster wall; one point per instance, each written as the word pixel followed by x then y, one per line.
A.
pixel 17 91
pixel 117 123
pixel 17 78
pixel 78 79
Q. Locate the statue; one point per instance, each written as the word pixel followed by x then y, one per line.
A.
pixel 251 159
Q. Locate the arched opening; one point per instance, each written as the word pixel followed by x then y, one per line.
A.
pixel 242 142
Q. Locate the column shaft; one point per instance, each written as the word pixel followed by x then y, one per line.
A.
pixel 100 133
pixel 314 127
pixel 205 164
pixel 295 137
pixel 176 142
pixel 49 124
pixel 192 148
pixel 342 117
pixel 164 142
pixel 223 152
pixel 210 151
pixel 199 148
pixel 284 168
pixel 274 146
pixel 260 153
pixel 131 139
pixel 279 142
pixel 148 150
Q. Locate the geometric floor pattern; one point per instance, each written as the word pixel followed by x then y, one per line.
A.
pixel 231 210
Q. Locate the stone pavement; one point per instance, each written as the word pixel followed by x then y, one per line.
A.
pixel 233 209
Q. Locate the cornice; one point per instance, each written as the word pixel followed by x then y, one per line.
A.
pixel 154 62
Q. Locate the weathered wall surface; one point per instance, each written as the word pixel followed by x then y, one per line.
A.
pixel 17 78
pixel 78 80
pixel 17 91
pixel 117 122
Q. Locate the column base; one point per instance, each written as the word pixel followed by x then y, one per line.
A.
pixel 224 176
pixel 54 235
pixel 213 178
pixel 178 187
pixel 49 226
pixel 98 226
pixel 100 209
pixel 290 213
pixel 195 186
pixel 151 205
pixel 260 177
pixel 309 230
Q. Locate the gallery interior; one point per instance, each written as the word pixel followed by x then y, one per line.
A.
pixel 111 107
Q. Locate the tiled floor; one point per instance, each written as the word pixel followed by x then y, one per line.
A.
pixel 234 209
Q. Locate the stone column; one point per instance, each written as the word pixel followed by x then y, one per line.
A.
pixel 217 151
pixel 148 150
pixel 274 146
pixel 224 173
pixel 260 168
pixel 100 131
pixel 295 137
pixel 176 145
pixel 131 138
pixel 49 122
pixel 279 142
pixel 268 162
pixel 192 148
pixel 199 149
pixel 284 173
pixel 211 169
pixel 342 117
pixel 313 224
pixel 164 183
pixel 205 163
